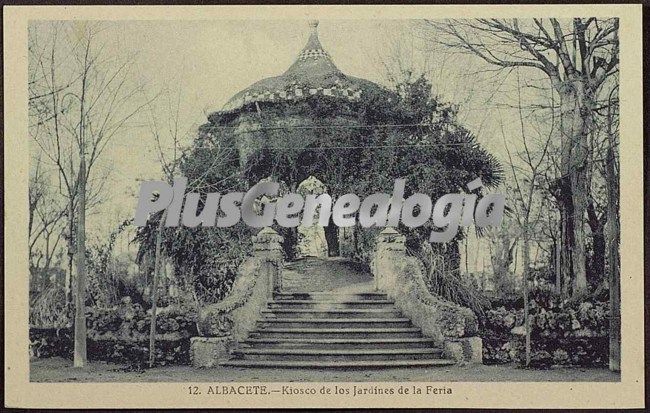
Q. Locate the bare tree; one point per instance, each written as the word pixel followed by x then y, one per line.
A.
pixel 45 218
pixel 613 233
pixel 526 185
pixel 168 158
pixel 578 56
pixel 81 96
pixel 502 245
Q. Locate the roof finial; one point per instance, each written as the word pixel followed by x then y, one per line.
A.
pixel 313 49
pixel 314 26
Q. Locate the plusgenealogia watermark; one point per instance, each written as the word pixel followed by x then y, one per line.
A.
pixel 291 210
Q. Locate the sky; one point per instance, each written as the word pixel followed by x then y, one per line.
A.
pixel 204 63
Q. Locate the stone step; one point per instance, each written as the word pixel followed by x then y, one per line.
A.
pixel 310 313
pixel 349 327
pixel 342 323
pixel 338 343
pixel 308 354
pixel 343 364
pixel 329 296
pixel 327 305
pixel 332 333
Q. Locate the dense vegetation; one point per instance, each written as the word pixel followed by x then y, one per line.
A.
pixel 353 147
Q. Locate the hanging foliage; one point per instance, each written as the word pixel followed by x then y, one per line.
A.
pixel 356 147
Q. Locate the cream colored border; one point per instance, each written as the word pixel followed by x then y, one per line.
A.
pixel 19 392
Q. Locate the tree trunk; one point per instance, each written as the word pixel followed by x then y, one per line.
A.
pixel 596 267
pixel 501 259
pixel 526 252
pixel 154 291
pixel 80 305
pixel 466 255
pixel 574 187
pixel 566 247
pixel 613 232
pixel 68 275
pixel 598 256
pixel 558 267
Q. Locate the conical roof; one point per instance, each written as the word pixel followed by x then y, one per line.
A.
pixel 313 73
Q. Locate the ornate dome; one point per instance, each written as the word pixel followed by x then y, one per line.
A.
pixel 313 73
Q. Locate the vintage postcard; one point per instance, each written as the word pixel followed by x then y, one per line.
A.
pixel 323 206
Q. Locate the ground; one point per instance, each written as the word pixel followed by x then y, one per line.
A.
pixel 333 274
pixel 310 274
pixel 60 370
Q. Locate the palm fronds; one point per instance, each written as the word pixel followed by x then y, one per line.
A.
pixel 48 309
pixel 450 284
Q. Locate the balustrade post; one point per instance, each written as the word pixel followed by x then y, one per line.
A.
pixel 267 246
pixel 390 245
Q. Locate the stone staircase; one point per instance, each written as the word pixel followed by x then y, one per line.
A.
pixel 337 330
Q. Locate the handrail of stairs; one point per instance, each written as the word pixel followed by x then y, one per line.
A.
pixel 400 276
pixel 223 324
pixel 256 280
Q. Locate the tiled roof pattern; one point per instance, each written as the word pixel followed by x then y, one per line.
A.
pixel 313 73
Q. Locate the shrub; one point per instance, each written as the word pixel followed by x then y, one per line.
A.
pixel 562 333
pixel 48 308
pixel 450 284
pixel 572 351
pixel 495 328
pixel 50 342
pixel 121 335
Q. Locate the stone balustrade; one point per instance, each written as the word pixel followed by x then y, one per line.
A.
pixel 400 276
pixel 224 324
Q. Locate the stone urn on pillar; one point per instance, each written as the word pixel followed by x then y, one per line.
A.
pixel 267 247
pixel 389 243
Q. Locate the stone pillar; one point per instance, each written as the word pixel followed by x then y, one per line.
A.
pixel 392 244
pixel 210 351
pixel 267 247
pixel 464 350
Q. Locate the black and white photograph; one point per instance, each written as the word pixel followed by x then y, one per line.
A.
pixel 370 201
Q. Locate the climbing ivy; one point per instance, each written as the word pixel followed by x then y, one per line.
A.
pixel 353 147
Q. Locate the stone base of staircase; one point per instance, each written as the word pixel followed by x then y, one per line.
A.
pixel 334 330
pixel 468 349
pixel 210 351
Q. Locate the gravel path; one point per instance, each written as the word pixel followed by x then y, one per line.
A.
pixel 60 370
pixel 330 274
